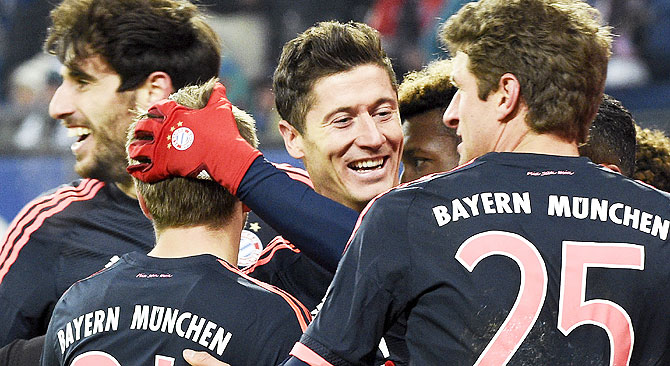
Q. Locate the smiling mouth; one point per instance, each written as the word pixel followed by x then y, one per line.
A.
pixel 80 132
pixel 367 165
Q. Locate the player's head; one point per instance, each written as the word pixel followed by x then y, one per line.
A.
pixel 185 202
pixel 423 96
pixel 336 93
pixel 652 159
pixel 612 137
pixel 116 55
pixel 541 60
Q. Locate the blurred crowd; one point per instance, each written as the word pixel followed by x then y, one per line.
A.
pixel 254 31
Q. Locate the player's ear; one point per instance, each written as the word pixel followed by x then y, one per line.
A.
pixel 292 139
pixel 156 87
pixel 143 207
pixel 613 167
pixel 509 97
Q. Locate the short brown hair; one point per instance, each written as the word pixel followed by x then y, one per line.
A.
pixel 323 50
pixel 184 202
pixel 136 38
pixel 426 89
pixel 557 49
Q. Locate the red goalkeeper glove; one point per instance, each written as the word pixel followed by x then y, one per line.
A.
pixel 176 141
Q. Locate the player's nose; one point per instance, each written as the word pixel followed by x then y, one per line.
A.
pixel 61 105
pixel 450 117
pixel 369 132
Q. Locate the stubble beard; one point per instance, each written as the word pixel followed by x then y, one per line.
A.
pixel 109 161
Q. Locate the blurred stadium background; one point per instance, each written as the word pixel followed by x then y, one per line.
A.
pixel 34 149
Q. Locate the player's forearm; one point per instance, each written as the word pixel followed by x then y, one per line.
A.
pixel 315 224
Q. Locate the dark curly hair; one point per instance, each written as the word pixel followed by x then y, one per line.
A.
pixel 652 158
pixel 426 89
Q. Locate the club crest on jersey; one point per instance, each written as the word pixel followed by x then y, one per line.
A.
pixel 181 138
pixel 250 248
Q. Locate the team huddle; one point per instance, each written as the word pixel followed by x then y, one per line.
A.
pixel 514 235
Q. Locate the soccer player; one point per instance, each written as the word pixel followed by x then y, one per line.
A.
pixel 116 56
pixel 527 254
pixel 611 140
pixel 430 146
pixel 336 93
pixel 335 90
pixel 187 291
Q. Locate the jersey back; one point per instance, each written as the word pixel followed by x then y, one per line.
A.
pixel 145 311
pixel 514 259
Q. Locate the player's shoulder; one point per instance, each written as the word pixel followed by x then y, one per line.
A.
pixel 48 216
pixel 55 202
pixel 104 275
pixel 295 173
pixel 277 254
pixel 76 186
pixel 261 296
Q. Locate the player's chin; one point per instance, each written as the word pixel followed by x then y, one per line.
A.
pixel 364 193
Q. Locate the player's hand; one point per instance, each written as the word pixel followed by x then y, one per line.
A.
pixel 176 141
pixel 201 359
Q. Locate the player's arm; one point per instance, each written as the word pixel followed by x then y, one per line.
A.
pixel 315 224
pixel 27 275
pixel 52 355
pixel 22 352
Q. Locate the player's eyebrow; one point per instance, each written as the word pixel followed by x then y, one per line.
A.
pixel 74 72
pixel 351 108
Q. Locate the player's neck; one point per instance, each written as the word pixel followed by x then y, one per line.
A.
pixel 128 189
pixel 547 144
pixel 190 241
pixel 517 137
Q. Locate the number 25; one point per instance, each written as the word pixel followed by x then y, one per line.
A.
pixel 573 310
pixel 99 358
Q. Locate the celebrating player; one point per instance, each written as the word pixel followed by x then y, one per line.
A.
pixel 528 254
pixel 336 92
pixel 430 146
pixel 117 56
pixel 164 300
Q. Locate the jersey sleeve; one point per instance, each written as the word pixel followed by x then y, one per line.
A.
pixel 22 352
pixel 317 225
pixel 27 276
pixel 367 293
pixel 51 355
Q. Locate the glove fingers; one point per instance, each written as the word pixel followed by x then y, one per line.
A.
pixel 140 149
pixel 147 127
pixel 137 170
pixel 164 108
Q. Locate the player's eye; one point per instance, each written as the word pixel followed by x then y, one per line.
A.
pixel 342 121
pixel 420 162
pixel 383 114
pixel 416 163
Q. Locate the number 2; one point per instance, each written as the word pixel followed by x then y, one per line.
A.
pixel 573 310
pixel 99 358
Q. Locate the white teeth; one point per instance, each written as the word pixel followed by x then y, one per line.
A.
pixel 78 131
pixel 367 164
